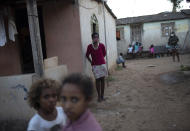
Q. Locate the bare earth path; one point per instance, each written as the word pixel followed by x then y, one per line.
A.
pixel 149 95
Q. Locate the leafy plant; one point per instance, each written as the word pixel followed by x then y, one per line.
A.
pixel 110 78
pixel 176 4
pixel 185 68
pixel 118 68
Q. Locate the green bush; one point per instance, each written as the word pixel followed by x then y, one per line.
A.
pixel 185 68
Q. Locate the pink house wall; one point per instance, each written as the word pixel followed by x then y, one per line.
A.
pixel 62 34
pixel 10 60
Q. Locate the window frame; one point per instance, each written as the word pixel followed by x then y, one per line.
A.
pixel 167 28
pixel 94 24
pixel 120 31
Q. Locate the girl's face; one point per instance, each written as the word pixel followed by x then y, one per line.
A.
pixel 73 101
pixel 48 100
pixel 95 39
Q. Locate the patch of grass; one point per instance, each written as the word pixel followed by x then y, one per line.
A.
pixel 110 78
pixel 185 68
pixel 118 68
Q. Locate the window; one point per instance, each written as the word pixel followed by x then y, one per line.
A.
pixel 167 28
pixel 120 33
pixel 94 24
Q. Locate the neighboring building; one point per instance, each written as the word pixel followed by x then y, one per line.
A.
pixel 65 28
pixel 154 29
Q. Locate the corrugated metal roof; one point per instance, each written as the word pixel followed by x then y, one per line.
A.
pixel 165 16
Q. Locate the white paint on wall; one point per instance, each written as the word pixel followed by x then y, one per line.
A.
pixel 152 35
pixel 14 89
pixel 13 97
pixel 123 44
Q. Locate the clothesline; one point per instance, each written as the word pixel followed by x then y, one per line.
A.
pixel 12 30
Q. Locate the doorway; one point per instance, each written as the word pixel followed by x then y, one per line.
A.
pixel 27 63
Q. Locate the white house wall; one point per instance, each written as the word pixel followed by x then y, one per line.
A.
pixel 182 31
pixel 13 95
pixel 152 34
pixel 123 44
pixel 87 9
pixel 111 39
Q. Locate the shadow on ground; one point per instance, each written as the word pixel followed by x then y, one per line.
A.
pixel 174 77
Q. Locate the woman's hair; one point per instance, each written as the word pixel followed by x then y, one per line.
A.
pixel 84 83
pixel 95 34
pixel 36 91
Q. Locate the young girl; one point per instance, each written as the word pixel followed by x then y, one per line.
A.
pixel 75 95
pixel 97 51
pixel 43 98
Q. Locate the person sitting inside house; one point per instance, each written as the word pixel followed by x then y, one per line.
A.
pixel 120 60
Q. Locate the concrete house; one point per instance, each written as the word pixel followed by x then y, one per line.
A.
pixel 153 29
pixel 34 30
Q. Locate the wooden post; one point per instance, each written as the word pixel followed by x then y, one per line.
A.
pixel 35 36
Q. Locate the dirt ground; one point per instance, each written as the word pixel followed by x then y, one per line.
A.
pixel 148 95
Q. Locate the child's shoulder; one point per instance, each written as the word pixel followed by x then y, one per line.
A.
pixel 34 122
pixel 101 44
pixel 89 45
pixel 92 123
pixel 36 117
pixel 60 110
pixel 61 114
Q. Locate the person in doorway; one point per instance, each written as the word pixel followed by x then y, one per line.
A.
pixel 172 41
pixel 120 60
pixel 97 52
pixel 75 96
pixel 42 97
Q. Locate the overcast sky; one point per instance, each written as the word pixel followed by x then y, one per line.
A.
pixel 131 8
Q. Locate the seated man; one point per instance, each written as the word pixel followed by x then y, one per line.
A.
pixel 120 60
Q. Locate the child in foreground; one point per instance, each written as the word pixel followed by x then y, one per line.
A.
pixel 43 98
pixel 75 95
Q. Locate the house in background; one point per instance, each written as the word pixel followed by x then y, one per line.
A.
pixel 64 31
pixel 153 29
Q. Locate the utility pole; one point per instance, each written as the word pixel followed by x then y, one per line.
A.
pixel 35 36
